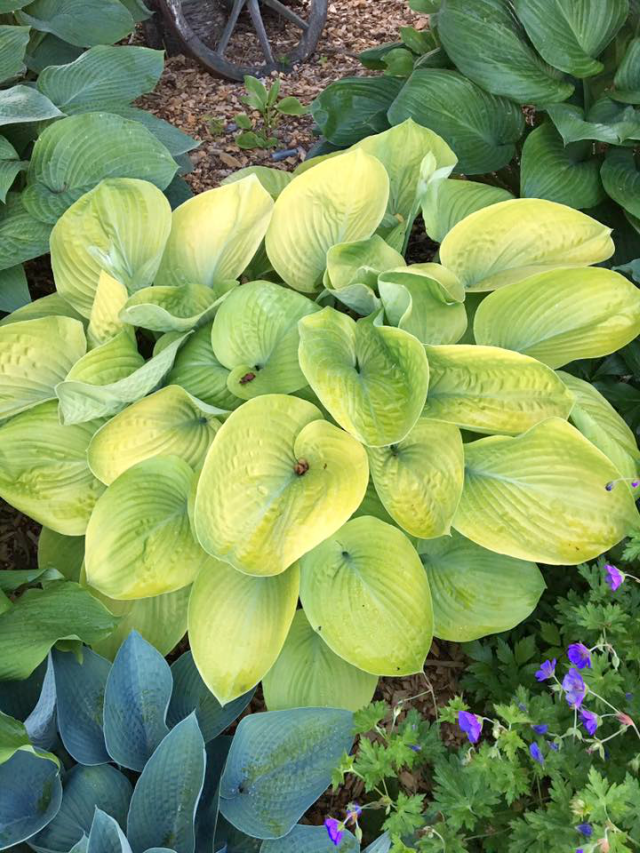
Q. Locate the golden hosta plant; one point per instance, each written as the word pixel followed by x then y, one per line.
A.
pixel 253 403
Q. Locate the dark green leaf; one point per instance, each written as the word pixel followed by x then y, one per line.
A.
pixel 355 107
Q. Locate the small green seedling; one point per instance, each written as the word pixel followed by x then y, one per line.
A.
pixel 262 133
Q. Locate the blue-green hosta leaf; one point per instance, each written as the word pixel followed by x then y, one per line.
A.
pixel 81 22
pixel 13 43
pixel 175 309
pixel 448 202
pixel 30 796
pixel 626 83
pixel 49 50
pixel 477 592
pixel 255 336
pixel 39 618
pixel 166 796
pixel 279 764
pixel 569 35
pixel 14 737
pixel 207 813
pixel 419 479
pixel 109 377
pixel 390 634
pixel 621 178
pixel 63 553
pixel 198 371
pixel 425 300
pixel 136 699
pixel 549 478
pixel 488 45
pixel 35 356
pixel 190 694
pixel 383 843
pixel 373 379
pixel 308 674
pixel 106 836
pixel 174 140
pixel 80 691
pixel 22 236
pixel 120 227
pixel 41 722
pixel 565 174
pixel 10 166
pixel 44 471
pixel 22 104
pixel 481 129
pixel 139 540
pixel 606 121
pixel 353 108
pixel 14 290
pixel 85 789
pixel 310 839
pixel 101 76
pixel 232 840
pixel 169 422
pixel 73 155
pixel 18 698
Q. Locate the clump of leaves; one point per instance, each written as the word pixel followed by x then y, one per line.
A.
pixel 262 132
pixel 553 752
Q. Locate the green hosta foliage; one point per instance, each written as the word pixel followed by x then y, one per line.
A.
pixel 66 120
pixel 152 769
pixel 253 401
pixel 467 77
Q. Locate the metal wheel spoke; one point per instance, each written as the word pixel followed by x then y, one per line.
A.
pixel 230 26
pixel 287 13
pixel 258 25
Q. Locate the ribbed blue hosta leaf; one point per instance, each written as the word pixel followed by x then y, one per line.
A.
pixel 41 722
pixel 159 850
pixel 279 764
pixel 19 698
pixel 234 841
pixel 106 836
pixel 190 693
pixel 135 702
pixel 207 815
pixel 30 796
pixel 310 839
pixel 81 846
pixel 166 796
pixel 80 690
pixel 380 845
pixel 85 788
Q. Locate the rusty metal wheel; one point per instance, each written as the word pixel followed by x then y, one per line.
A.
pixel 245 36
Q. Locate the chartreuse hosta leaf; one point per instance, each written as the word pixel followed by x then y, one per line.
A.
pixel 35 355
pixel 445 203
pixel 372 379
pixel 273 180
pixel 110 376
pixel 104 321
pixel 353 269
pixel 419 480
pixel 477 592
pixel 199 372
pixel 562 315
pixel 425 300
pixel 390 632
pixel 308 674
pixel 31 797
pixel 168 423
pixel 255 336
pixel 236 637
pixel 52 305
pixel 339 201
pixel 598 421
pixel 569 35
pixel 44 471
pixel 542 496
pixel 139 541
pixel 276 482
pixel 514 240
pixel 175 309
pixel 120 227
pixel 492 390
pixel 279 764
pixel 215 235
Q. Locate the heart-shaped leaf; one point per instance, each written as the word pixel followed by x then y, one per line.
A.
pixel 445 203
pixel 31 797
pixel 277 481
pixel 80 22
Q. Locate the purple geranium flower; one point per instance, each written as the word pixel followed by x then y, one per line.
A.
pixel 415 747
pixel 554 746
pixel 335 830
pixel 589 720
pixel 574 687
pixel 614 577
pixel 353 813
pixel 536 753
pixel 542 729
pixel 547 670
pixel 470 725
pixel 579 655
pixel 585 829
